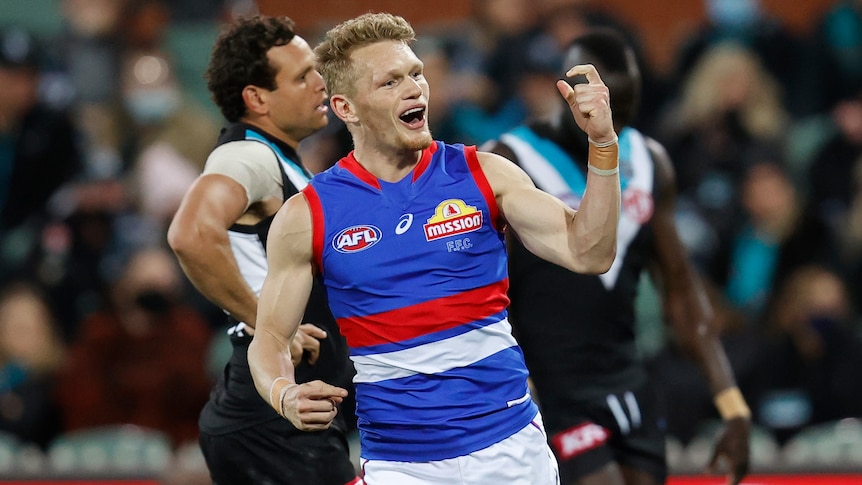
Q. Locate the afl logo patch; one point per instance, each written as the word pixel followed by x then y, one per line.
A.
pixel 356 238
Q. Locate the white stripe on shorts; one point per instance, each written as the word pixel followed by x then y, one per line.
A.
pixel 634 409
pixel 619 414
pixel 521 459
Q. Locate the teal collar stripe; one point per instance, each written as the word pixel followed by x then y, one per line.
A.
pixel 560 160
pixel 625 155
pixel 251 135
pixel 565 165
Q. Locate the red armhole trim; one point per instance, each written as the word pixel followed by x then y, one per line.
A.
pixel 316 225
pixel 482 183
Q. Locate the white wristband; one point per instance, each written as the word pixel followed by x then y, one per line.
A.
pixel 272 386
pixel 605 144
pixel 281 395
pixel 603 172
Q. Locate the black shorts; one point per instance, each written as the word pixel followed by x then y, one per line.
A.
pixel 274 453
pixel 622 427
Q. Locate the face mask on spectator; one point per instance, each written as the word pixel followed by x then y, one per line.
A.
pixel 737 14
pixel 154 301
pixel 148 106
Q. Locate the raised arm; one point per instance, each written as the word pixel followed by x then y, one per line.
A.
pixel 584 240
pixel 198 237
pixel 689 312
pixel 308 406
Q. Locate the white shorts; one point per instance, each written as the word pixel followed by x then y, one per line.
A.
pixel 521 459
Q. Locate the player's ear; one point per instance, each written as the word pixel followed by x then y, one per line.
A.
pixel 255 99
pixel 343 108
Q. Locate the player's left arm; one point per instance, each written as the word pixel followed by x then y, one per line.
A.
pixel 690 314
pixel 581 242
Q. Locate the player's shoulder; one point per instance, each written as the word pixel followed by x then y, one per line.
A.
pixel 242 150
pixel 501 148
pixel 501 172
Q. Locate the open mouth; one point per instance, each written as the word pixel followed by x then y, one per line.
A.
pixel 414 117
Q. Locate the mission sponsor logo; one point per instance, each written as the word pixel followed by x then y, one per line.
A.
pixel 452 217
pixel 356 238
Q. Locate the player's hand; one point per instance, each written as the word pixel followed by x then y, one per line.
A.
pixel 312 406
pixel 306 342
pixel 590 103
pixel 732 451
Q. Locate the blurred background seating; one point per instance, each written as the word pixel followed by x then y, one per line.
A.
pixel 121 450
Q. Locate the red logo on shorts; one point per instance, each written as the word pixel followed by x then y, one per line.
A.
pixel 577 440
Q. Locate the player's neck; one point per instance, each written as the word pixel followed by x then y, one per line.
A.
pixel 268 127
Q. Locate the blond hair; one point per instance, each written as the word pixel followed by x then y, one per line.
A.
pixel 333 54
pixel 761 113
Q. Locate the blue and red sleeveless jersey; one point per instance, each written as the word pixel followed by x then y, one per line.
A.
pixel 416 276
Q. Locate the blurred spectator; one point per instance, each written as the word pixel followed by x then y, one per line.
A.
pixel 778 235
pixel 145 24
pixel 144 144
pixel 500 60
pixel 810 362
pixel 188 11
pixel 506 26
pixel 483 53
pixel 90 49
pixel 126 366
pixel 92 41
pixel 837 53
pixel 165 145
pixel 168 135
pixel 746 23
pixel 81 256
pixel 831 178
pixel 565 20
pixel 170 138
pixel 31 352
pixel 681 388
pixel 72 264
pixel 39 150
pixel 849 218
pixel 728 113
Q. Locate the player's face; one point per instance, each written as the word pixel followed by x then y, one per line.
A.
pixel 296 105
pixel 391 95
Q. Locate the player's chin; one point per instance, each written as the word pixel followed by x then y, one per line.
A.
pixel 419 140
